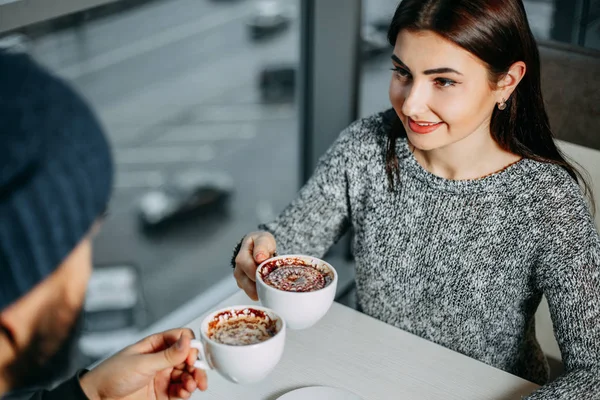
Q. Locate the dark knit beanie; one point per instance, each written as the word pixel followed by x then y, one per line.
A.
pixel 55 173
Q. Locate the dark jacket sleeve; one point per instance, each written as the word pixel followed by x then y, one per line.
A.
pixel 68 390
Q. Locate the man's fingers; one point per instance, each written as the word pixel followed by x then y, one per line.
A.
pixel 177 391
pixel 185 384
pixel 176 375
pixel 169 358
pixel 188 382
pixel 264 247
pixel 200 378
pixel 192 357
pixel 159 341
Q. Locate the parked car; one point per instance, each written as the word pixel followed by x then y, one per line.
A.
pixel 114 311
pixel 374 42
pixel 271 17
pixel 186 194
pixel 15 42
pixel 382 24
pixel 277 82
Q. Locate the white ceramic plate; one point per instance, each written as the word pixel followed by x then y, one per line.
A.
pixel 319 393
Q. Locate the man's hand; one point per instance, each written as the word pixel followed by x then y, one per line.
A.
pixel 159 367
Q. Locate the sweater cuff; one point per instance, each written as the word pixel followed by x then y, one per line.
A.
pixel 236 250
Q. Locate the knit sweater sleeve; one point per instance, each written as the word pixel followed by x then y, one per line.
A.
pixel 320 214
pixel 568 273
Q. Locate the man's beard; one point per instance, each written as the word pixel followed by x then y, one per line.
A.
pixel 34 370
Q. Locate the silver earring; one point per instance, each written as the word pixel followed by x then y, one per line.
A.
pixel 502 105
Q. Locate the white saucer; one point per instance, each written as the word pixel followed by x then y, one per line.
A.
pixel 319 393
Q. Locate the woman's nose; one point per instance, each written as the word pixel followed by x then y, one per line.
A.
pixel 415 100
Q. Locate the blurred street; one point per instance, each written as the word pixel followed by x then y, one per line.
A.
pixel 175 84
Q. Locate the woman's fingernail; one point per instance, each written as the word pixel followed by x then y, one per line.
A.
pixel 179 343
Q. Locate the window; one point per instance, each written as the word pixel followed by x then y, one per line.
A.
pixel 198 99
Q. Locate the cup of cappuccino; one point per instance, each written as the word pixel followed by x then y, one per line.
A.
pixel 299 288
pixel 242 343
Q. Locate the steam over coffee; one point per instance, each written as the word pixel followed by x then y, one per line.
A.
pixel 242 328
pixel 294 275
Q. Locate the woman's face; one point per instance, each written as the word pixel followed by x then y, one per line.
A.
pixel 441 92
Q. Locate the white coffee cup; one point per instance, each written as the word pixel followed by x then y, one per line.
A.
pixel 240 363
pixel 300 310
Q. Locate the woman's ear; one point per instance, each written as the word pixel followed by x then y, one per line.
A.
pixel 509 82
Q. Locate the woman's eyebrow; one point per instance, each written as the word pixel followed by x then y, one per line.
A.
pixel 442 70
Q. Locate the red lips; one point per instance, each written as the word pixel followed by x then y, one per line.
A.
pixel 423 127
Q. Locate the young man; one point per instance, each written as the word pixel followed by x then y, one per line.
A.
pixel 55 183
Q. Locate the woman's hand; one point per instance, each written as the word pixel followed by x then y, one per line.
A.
pixel 159 367
pixel 256 248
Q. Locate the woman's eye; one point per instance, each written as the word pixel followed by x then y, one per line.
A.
pixel 444 82
pixel 401 72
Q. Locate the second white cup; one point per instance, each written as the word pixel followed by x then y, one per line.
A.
pixel 240 363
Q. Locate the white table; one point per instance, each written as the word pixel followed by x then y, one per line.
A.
pixel 375 360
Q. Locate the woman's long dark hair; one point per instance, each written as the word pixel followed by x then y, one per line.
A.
pixel 498 33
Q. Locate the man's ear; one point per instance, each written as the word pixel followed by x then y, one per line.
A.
pixel 509 82
pixel 7 339
pixel 10 328
pixel 7 329
pixel 65 286
pixel 18 323
pixel 7 356
pixel 18 319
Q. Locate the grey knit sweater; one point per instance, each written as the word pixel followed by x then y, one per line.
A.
pixel 461 263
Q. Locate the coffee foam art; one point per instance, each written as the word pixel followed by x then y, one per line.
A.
pixel 242 327
pixel 296 275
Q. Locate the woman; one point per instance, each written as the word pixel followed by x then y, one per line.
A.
pixel 464 211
